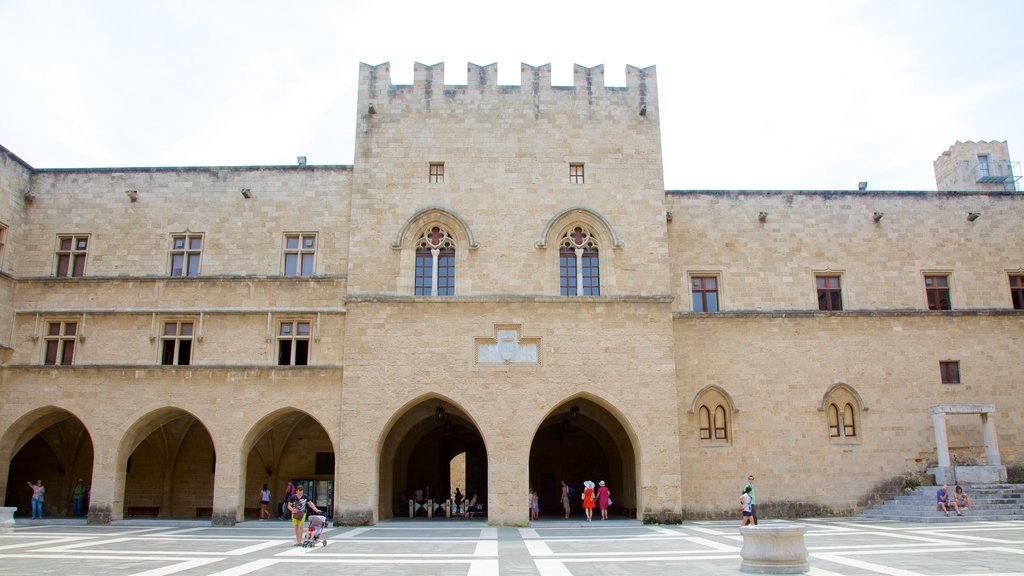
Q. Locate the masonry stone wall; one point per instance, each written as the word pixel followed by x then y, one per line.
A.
pixel 636 360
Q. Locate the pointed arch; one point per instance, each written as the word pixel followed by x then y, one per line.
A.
pixel 31 423
pixel 434 214
pixel 713 388
pixel 411 446
pixel 561 222
pixel 165 447
pixel 587 437
pixel 844 387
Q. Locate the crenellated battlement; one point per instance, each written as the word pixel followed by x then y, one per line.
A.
pixel 429 90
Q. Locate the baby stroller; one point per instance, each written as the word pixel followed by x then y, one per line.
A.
pixel 314 526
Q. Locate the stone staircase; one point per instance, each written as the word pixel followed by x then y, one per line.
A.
pixel 991 502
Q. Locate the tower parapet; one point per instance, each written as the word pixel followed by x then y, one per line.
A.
pixel 429 92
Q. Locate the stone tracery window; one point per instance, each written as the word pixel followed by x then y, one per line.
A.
pixel 435 263
pixel 842 406
pixel 713 427
pixel 579 264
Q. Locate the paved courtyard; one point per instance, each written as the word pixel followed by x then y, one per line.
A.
pixel 471 548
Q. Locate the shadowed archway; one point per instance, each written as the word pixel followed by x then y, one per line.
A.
pixel 52 445
pixel 582 440
pixel 418 450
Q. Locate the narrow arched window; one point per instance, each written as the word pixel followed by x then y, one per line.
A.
pixel 705 423
pixel 579 264
pixel 849 424
pixel 435 263
pixel 720 427
pixel 833 421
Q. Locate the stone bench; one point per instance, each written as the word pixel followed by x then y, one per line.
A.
pixel 134 511
pixel 7 518
pixel 774 549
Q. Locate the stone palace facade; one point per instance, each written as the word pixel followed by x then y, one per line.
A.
pixel 500 294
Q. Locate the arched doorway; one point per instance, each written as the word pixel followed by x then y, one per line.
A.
pixel 425 443
pixel 169 463
pixel 52 445
pixel 582 440
pixel 288 445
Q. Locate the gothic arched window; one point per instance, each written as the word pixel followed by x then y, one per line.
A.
pixel 435 263
pixel 579 264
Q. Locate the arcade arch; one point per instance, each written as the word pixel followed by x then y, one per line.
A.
pixel 422 441
pixel 288 445
pixel 168 462
pixel 580 440
pixel 52 445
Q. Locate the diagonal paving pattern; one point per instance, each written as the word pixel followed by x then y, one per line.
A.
pixel 837 547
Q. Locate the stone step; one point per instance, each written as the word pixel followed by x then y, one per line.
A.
pixel 992 502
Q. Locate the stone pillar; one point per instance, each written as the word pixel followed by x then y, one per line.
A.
pixel 988 431
pixel 941 441
pixel 106 492
pixel 228 485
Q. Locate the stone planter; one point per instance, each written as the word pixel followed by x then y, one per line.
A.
pixel 774 549
pixel 7 518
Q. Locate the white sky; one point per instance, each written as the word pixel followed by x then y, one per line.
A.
pixel 771 94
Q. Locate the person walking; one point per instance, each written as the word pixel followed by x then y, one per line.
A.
pixel 264 503
pixel 604 499
pixel 753 499
pixel 38 496
pixel 747 501
pixel 77 495
pixel 297 505
pixel 588 499
pixel 565 499
pixel 289 491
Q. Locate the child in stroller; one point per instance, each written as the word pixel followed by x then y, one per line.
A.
pixel 314 526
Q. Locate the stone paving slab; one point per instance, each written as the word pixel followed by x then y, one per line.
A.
pixel 837 547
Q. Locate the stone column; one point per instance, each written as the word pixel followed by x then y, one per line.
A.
pixel 988 431
pixel 228 484
pixel 941 442
pixel 106 494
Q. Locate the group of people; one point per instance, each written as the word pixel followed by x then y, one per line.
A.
pixel 78 495
pixel 958 500
pixel 599 496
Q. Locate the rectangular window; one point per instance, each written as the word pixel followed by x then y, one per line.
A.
pixel 176 344
pixel 575 173
pixel 1017 291
pixel 445 272
pixel 60 343
pixel 567 271
pixel 830 294
pixel 71 253
pixel 937 289
pixel 293 343
pixel 705 293
pixel 299 254
pixel 983 167
pixel 591 272
pixel 186 254
pixel 950 372
pixel 424 271
pixel 436 172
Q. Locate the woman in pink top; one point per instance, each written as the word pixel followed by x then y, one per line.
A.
pixel 603 499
